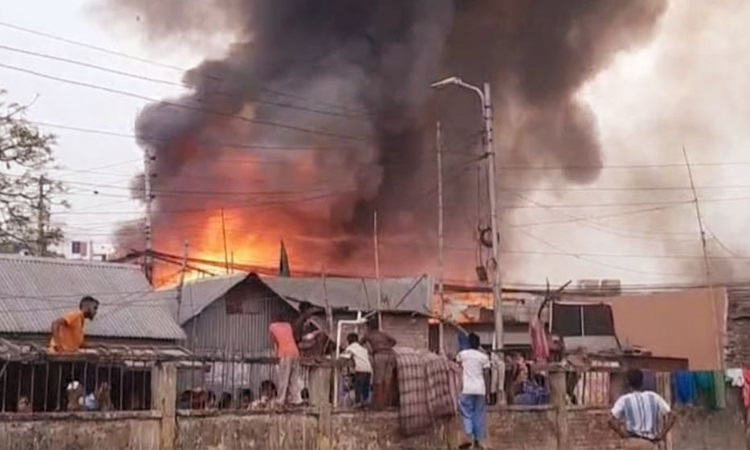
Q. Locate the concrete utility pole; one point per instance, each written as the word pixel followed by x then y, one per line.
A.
pixel 441 253
pixel 181 286
pixel 379 284
pixel 148 257
pixel 485 96
pixel 41 206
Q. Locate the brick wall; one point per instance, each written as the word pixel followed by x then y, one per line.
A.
pixel 408 330
pixel 248 431
pixel 738 327
pixel 522 428
pixel 53 431
pixel 589 430
pixel 508 429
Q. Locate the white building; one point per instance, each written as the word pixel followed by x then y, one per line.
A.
pixel 83 249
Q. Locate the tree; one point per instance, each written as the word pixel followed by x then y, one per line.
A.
pixel 27 194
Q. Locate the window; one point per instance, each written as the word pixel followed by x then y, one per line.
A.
pixel 582 320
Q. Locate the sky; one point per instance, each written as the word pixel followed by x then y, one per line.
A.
pixel 686 88
pixel 98 167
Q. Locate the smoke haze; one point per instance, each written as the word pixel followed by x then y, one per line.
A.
pixel 320 113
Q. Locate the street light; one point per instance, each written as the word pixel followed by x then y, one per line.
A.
pixel 486 98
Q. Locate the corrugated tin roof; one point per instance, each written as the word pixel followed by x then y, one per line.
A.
pixel 358 294
pixel 36 291
pixel 198 294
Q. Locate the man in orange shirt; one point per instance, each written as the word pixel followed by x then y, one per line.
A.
pixel 67 331
pixel 282 337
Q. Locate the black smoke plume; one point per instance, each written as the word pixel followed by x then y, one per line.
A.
pixel 351 80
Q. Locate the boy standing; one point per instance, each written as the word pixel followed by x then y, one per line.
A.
pixel 362 368
pixel 474 364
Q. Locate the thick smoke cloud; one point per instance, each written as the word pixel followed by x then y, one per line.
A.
pixel 350 79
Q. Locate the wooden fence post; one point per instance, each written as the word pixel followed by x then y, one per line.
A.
pixel 164 400
pixel 559 402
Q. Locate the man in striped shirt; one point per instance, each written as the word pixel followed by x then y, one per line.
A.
pixel 641 418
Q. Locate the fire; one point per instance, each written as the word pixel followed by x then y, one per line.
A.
pixel 219 244
pixel 482 299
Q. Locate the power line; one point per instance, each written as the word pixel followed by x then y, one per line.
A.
pixel 585 258
pixel 184 106
pixel 623 188
pixel 471 160
pixel 154 63
pixel 662 206
pixel 623 166
pixel 239 145
pixel 171 83
pixel 599 227
pixel 558 250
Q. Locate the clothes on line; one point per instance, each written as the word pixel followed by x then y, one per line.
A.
pixel 746 388
pixel 735 377
pixel 700 387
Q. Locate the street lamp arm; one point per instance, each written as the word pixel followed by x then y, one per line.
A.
pixel 444 82
pixel 460 83
pixel 471 87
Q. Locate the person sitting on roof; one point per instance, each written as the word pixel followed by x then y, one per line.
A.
pixel 67 331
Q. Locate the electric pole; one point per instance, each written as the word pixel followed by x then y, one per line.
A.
pixel 148 257
pixel 485 96
pixel 497 291
pixel 41 207
pixel 441 256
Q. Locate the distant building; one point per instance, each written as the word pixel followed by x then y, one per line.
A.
pixel 471 310
pixel 88 250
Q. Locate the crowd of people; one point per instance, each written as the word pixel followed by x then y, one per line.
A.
pixel 373 367
pixel 642 418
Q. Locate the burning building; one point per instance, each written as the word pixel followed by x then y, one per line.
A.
pixel 320 113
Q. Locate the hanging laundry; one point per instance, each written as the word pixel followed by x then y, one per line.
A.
pixel 746 388
pixel 735 377
pixel 720 388
pixel 683 387
pixel 706 388
pixel 539 343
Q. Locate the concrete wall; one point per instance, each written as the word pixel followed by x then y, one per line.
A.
pixel 63 431
pixel 247 431
pixel 508 428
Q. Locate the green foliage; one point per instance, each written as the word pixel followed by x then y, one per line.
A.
pixel 26 194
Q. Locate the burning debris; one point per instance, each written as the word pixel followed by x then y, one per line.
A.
pixel 321 113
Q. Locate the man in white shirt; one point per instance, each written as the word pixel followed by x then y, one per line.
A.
pixel 637 415
pixel 362 368
pixel 475 365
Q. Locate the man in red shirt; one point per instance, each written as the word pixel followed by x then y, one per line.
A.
pixel 285 348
